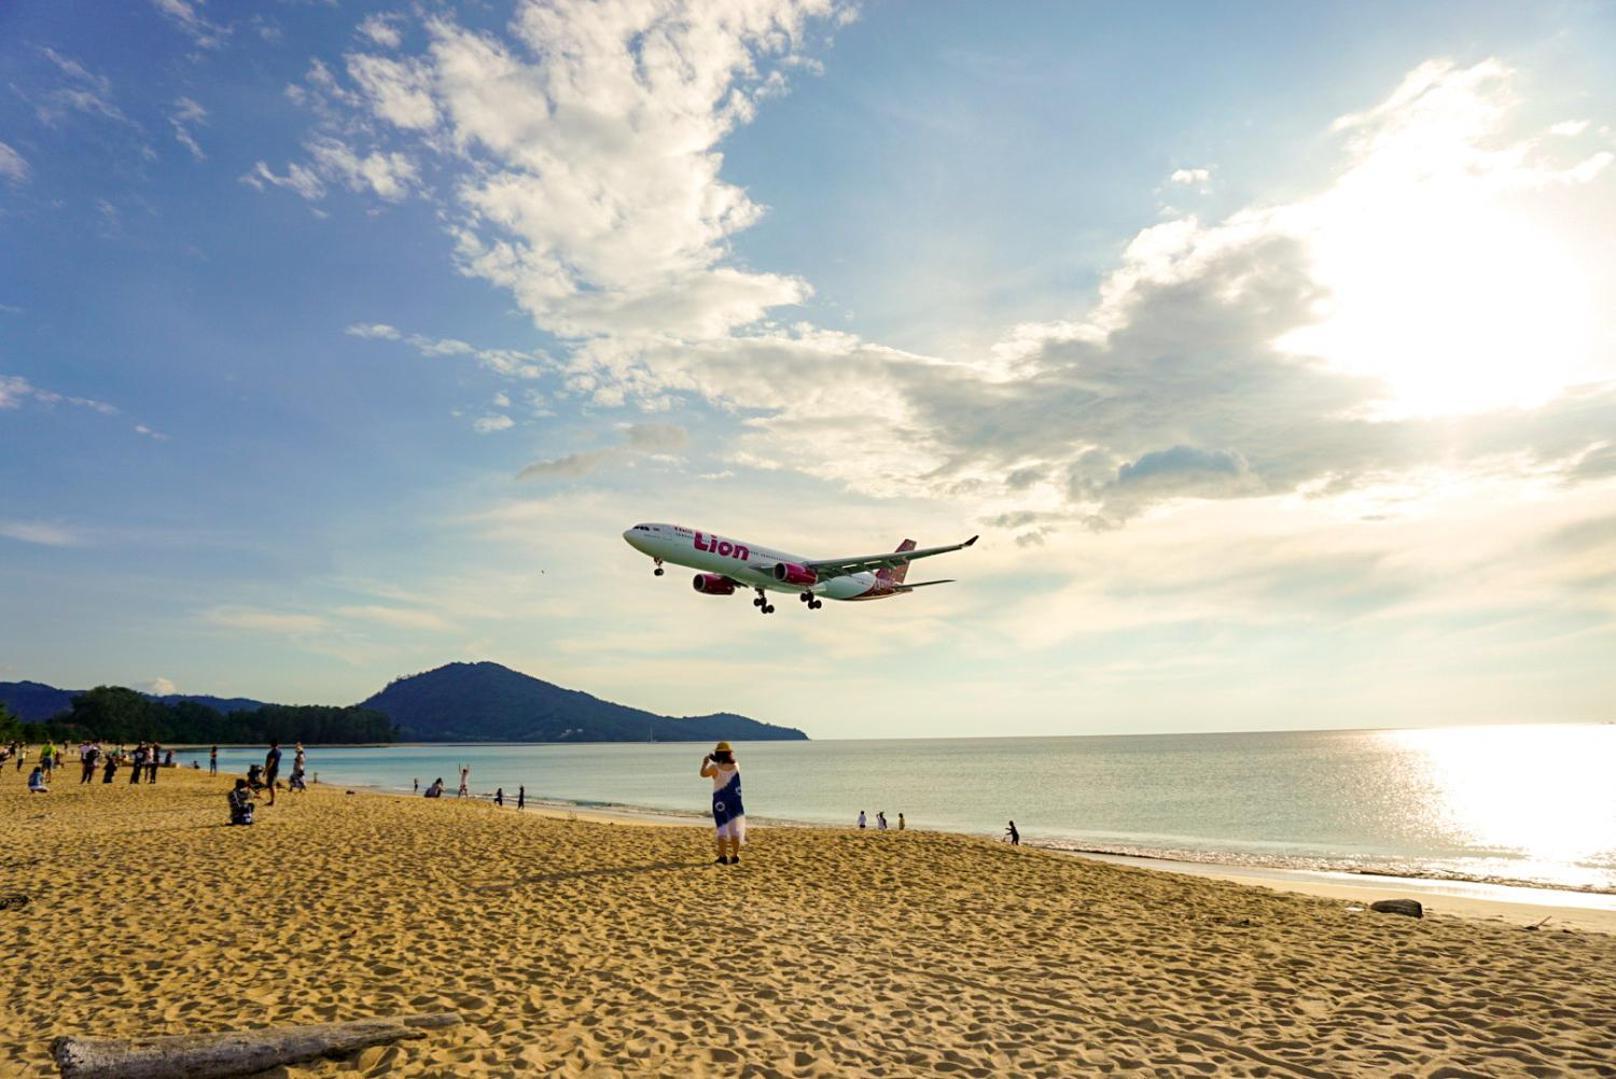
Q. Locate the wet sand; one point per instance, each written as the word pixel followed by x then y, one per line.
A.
pixel 592 947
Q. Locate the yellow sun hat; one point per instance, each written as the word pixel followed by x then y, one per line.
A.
pixel 722 747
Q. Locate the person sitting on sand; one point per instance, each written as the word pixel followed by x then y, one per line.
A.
pixel 298 783
pixel 36 780
pixel 436 789
pixel 729 815
pixel 241 803
pixel 255 776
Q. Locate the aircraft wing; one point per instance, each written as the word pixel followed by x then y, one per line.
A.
pixel 826 568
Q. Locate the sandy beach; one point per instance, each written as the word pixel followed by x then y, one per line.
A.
pixel 590 947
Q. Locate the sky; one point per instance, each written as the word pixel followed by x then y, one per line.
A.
pixel 1271 349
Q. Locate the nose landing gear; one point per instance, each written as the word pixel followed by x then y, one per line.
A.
pixel 762 602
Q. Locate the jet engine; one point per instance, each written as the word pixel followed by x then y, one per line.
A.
pixel 794 573
pixel 713 585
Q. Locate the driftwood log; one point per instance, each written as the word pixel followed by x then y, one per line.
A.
pixel 240 1052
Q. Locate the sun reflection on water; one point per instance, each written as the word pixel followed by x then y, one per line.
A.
pixel 1543 794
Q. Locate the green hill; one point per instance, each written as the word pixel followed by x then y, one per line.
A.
pixel 485 702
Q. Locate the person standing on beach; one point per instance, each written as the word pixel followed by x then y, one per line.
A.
pixel 1012 835
pixel 499 796
pixel 729 815
pixel 881 820
pixel 900 820
pixel 151 762
pixel 213 761
pixel 465 773
pixel 272 767
pixel 109 769
pixel 521 797
pixel 87 756
pixel 415 785
pixel 139 761
pixel 861 820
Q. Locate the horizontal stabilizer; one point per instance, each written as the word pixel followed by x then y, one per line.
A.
pixel 922 584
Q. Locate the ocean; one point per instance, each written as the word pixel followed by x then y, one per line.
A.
pixel 1529 805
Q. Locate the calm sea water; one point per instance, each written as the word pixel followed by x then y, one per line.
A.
pixel 1534 804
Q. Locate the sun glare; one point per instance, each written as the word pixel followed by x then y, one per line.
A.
pixel 1456 308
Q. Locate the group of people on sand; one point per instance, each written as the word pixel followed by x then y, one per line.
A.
pixel 435 789
pixel 143 762
pixel 263 777
pixel 880 821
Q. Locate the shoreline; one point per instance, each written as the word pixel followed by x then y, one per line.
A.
pixel 1514 903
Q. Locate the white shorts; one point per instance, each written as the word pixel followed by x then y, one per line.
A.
pixel 733 829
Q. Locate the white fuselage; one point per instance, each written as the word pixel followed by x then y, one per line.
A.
pixel 747 564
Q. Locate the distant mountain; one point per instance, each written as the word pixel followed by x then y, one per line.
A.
pixel 35 702
pixel 485 702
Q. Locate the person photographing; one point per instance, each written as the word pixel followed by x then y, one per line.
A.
pixel 729 815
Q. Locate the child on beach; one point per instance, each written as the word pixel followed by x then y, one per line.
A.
pixel 436 789
pixel 241 804
pixel 36 780
pixel 729 815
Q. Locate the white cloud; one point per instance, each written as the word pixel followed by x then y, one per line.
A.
pixel 399 617
pixel 14 390
pixel 187 114
pixel 399 92
pixel 496 422
pixel 298 179
pixel 586 147
pixel 83 91
pixel 512 363
pixel 1569 128
pixel 264 621
pixel 1190 176
pixel 161 687
pixel 187 15
pixel 639 440
pixel 502 400
pixel 390 176
pixel 156 436
pixel 42 533
pixel 13 166
pixel 381 30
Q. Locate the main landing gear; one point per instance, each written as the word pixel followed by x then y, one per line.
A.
pixel 762 602
pixel 658 571
pixel 813 604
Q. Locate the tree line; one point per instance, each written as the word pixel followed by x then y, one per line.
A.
pixel 119 715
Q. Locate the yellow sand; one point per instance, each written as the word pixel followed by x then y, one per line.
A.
pixel 589 947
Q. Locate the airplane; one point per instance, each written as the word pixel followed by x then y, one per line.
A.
pixel 724 564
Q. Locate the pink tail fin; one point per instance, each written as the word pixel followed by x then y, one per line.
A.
pixel 896 576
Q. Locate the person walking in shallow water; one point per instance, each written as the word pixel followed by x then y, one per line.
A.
pixel 729 815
